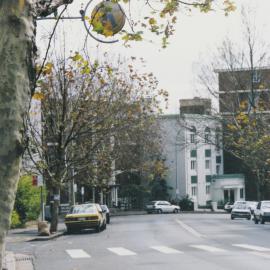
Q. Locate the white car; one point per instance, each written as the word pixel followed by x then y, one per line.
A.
pixel 241 210
pixel 161 207
pixel 262 212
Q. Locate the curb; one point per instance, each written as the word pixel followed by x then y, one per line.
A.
pixel 46 238
pixel 181 212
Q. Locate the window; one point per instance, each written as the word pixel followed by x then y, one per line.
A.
pixel 207 164
pixel 193 153
pixel 193 164
pixel 218 169
pixel 193 191
pixel 192 135
pixel 207 135
pixel 194 179
pixel 241 193
pixel 218 142
pixel 208 178
pixel 207 189
pixel 207 153
pixel 192 138
pixel 218 159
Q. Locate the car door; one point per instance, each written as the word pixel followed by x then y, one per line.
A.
pixel 167 207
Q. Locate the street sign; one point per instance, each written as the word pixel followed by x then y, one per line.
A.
pixel 34 180
pixel 40 181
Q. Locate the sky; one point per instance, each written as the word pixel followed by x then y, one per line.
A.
pixel 196 38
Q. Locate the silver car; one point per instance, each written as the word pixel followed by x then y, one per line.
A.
pixel 161 207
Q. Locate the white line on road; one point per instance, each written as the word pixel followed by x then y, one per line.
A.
pixel 252 247
pixel 188 228
pixel 267 256
pixel 121 251
pixel 208 248
pixel 77 253
pixel 166 250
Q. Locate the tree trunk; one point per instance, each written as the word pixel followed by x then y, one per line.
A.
pixel 55 210
pixel 16 71
pixel 258 185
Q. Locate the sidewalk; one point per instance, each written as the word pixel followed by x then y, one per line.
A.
pixel 18 262
pixel 25 262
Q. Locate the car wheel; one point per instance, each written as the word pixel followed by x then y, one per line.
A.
pixel 175 210
pixel 159 211
pixel 255 220
pixel 261 220
pixel 104 226
pixel 108 220
pixel 98 229
pixel 249 218
pixel 232 217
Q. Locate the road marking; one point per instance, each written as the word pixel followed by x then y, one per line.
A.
pixel 77 253
pixel 208 248
pixel 267 256
pixel 121 251
pixel 166 250
pixel 252 247
pixel 188 228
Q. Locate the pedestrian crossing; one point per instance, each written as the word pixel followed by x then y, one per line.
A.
pixel 263 252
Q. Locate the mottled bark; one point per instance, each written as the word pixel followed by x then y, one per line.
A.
pixel 17 78
pixel 16 72
pixel 55 210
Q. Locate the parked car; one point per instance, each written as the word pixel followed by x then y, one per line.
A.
pixel 252 206
pixel 161 207
pixel 106 210
pixel 85 216
pixel 228 206
pixel 262 212
pixel 241 210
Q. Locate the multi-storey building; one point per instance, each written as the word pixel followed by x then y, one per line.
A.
pixel 192 148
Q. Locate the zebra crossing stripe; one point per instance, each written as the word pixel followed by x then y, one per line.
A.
pixel 263 255
pixel 77 253
pixel 121 251
pixel 208 248
pixel 166 250
pixel 252 247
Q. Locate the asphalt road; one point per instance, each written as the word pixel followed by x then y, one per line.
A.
pixel 166 241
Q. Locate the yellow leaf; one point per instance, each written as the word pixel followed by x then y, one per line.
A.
pixel 38 96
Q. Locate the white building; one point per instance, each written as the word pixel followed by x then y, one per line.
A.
pixel 192 148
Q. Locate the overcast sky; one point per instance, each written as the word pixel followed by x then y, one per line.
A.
pixel 196 38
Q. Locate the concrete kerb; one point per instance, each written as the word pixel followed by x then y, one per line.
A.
pixel 46 238
pixel 131 213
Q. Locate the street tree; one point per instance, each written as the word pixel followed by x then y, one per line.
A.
pixel 18 80
pixel 86 113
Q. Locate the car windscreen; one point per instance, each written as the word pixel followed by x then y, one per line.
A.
pixel 266 205
pixel 241 206
pixel 83 209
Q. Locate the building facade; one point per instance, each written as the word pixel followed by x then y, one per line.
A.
pixel 192 149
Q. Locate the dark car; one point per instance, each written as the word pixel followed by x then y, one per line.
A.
pixel 106 210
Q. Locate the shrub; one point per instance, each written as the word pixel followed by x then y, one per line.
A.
pixel 27 202
pixel 186 204
pixel 15 220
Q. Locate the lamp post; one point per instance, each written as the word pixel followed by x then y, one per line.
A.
pixel 177 143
